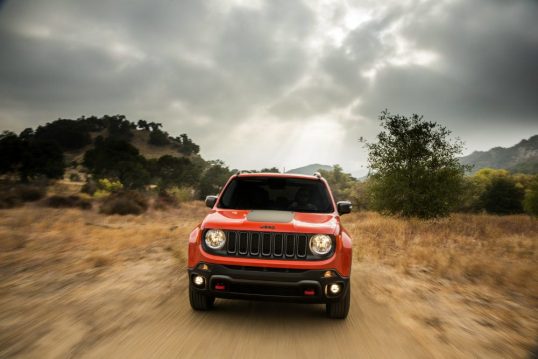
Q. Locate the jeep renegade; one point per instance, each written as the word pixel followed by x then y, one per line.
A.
pixel 272 236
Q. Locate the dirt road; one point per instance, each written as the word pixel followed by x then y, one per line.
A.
pixel 245 329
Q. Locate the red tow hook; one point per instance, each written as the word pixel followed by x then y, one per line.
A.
pixel 309 292
pixel 220 286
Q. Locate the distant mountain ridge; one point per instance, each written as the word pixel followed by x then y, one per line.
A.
pixel 521 158
pixel 310 169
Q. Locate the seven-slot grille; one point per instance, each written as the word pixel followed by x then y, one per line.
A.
pixel 267 245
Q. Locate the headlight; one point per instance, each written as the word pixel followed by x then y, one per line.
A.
pixel 215 238
pixel 320 244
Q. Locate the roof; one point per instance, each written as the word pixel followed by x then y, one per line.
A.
pixel 272 174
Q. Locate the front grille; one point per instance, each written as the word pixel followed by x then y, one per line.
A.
pixel 268 245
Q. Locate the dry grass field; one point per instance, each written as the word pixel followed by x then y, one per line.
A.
pixel 499 251
pixel 461 283
pixel 465 286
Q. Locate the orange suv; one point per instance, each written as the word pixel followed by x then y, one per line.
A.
pixel 275 237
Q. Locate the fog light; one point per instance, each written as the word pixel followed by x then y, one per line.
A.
pixel 335 288
pixel 198 280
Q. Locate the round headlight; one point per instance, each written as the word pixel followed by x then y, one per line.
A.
pixel 320 244
pixel 215 238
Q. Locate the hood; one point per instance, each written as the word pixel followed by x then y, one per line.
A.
pixel 272 221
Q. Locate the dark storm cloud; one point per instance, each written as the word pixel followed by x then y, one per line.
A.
pixel 227 69
pixel 488 52
pixel 216 64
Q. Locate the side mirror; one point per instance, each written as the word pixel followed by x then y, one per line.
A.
pixel 210 201
pixel 344 207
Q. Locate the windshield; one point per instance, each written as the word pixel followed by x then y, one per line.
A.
pixel 274 193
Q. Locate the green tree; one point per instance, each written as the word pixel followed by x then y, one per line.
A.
pixel 42 158
pixel 154 126
pixel 68 134
pixel 11 148
pixel 119 128
pixel 503 196
pixel 270 170
pixel 360 195
pixel 172 171
pixel 414 170
pixel 117 159
pixel 158 138
pixel 213 178
pixel 30 157
pixel 341 183
pixel 93 123
pixel 143 125
pixel 530 201
pixel 186 146
pixel 475 185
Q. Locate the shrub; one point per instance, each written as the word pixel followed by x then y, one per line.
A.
pixel 123 203
pixel 8 200
pixel 104 187
pixel 74 177
pixel 67 202
pixel 89 187
pixel 109 185
pixel 530 201
pixel 29 193
pixel 165 201
pixel 16 195
pixel 502 196
pixel 158 138
pixel 181 194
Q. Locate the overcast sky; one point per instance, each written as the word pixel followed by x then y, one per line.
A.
pixel 275 83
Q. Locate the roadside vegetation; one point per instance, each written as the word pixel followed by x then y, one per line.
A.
pixel 414 171
pixel 467 248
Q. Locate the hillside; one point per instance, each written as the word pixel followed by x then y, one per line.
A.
pixel 140 140
pixel 522 157
pixel 310 169
pixel 136 154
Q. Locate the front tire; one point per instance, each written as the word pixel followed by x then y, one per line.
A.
pixel 200 301
pixel 340 309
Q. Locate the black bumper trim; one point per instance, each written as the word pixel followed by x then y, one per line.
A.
pixel 258 283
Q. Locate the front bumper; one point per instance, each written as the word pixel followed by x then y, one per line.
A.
pixel 273 284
